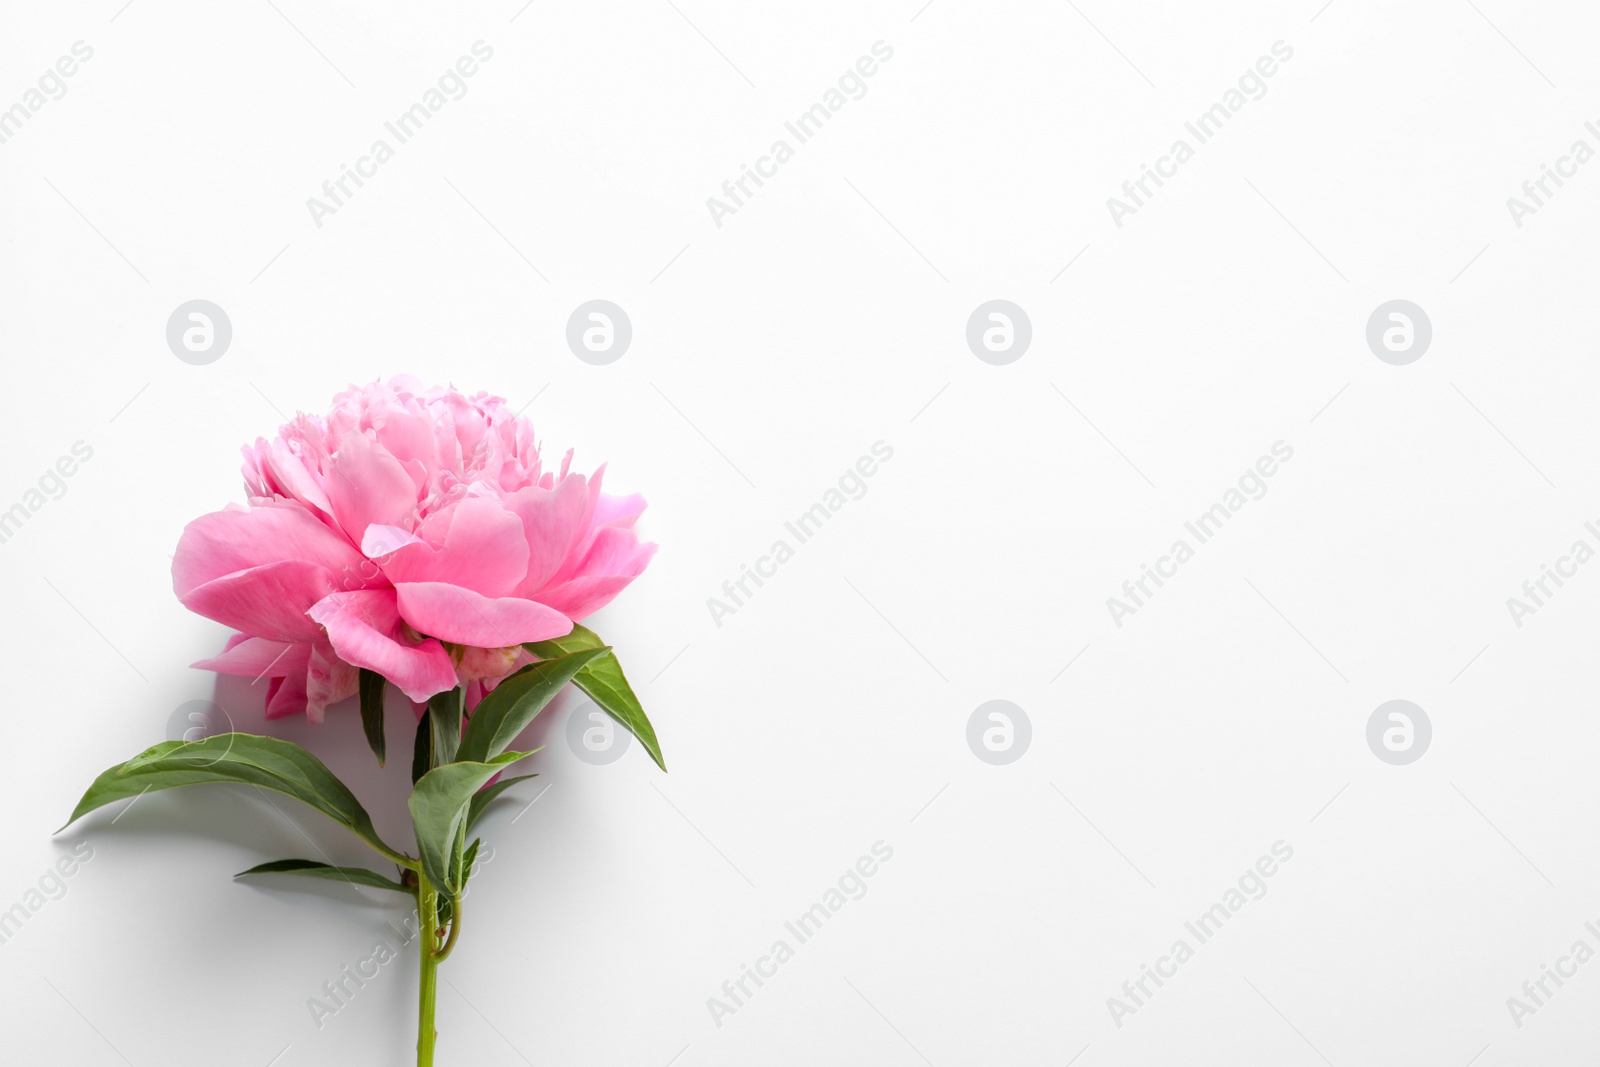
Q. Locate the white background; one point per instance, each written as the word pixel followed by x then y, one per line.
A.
pixel 830 711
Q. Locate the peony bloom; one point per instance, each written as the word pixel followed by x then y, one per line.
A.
pixel 410 531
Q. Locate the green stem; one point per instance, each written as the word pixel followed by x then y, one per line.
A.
pixel 455 929
pixel 428 920
pixel 398 858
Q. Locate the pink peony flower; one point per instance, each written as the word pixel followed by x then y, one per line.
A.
pixel 411 531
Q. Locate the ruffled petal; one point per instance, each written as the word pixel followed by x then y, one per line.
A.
pixel 239 538
pixel 464 617
pixel 482 547
pixel 618 510
pixel 381 540
pixel 288 694
pixel 364 629
pixel 295 478
pixel 367 485
pixel 250 656
pixel 615 560
pixel 329 680
pixel 269 601
pixel 552 522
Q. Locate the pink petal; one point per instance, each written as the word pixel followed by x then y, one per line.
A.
pixel 270 601
pixel 582 597
pixel 237 539
pixel 616 563
pixel 364 629
pixel 616 550
pixel 292 475
pixel 286 686
pixel 288 695
pixel 367 485
pixel 382 540
pixel 251 657
pixel 464 617
pixel 407 437
pixel 575 564
pixel 483 549
pixel 552 521
pixel 618 510
pixel 328 681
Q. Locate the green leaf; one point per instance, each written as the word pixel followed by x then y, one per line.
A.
pixel 447 909
pixel 267 762
pixel 445 901
pixel 447 708
pixel 444 909
pixel 438 806
pixel 313 869
pixel 506 712
pixel 603 682
pixel 480 799
pixel 371 687
pixel 422 748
